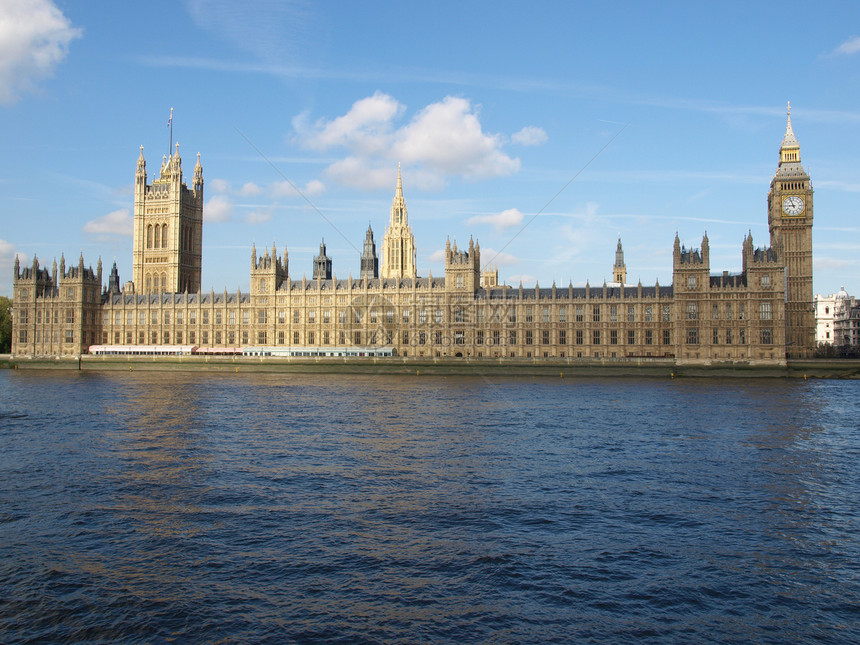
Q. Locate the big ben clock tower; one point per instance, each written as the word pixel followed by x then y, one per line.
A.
pixel 790 220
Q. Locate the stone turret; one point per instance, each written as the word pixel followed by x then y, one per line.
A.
pixel 619 270
pixel 113 281
pixel 369 259
pixel 463 268
pixel 268 272
pixel 322 264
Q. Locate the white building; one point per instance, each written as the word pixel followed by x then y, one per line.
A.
pixel 852 327
pixel 832 319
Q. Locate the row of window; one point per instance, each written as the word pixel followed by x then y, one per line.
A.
pixel 765 311
pixel 764 281
pixel 726 336
pixel 529 337
pixel 375 316
pixel 495 337
pixel 152 316
pixel 387 337
pixel 460 315
pixel 90 295
pixel 53 336
pixel 53 316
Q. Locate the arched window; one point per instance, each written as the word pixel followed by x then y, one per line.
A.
pixel 164 236
pixel 149 236
pixel 148 281
pixel 164 282
pixel 157 236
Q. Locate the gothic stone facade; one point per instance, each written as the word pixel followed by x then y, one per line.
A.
pixel 759 314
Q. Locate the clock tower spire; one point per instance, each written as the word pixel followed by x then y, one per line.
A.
pixel 790 220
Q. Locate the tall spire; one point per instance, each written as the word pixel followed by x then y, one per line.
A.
pixel 140 176
pixel 198 174
pixel 398 244
pixel 322 264
pixel 399 215
pixel 789 150
pixel 619 270
pixel 369 259
pixel 789 138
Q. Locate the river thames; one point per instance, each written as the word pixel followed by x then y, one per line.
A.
pixel 277 508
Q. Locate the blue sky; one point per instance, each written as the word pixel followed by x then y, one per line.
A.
pixel 650 118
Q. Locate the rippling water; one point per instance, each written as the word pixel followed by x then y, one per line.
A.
pixel 377 509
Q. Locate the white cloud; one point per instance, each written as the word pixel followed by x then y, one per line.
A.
pixel 501 221
pixel 116 223
pixel 218 209
pixel 250 188
pixel 364 128
pixel 850 46
pixel 492 258
pixel 574 240
pixel 284 189
pixel 361 173
pixel 530 136
pixel 288 189
pixel 437 256
pixel 34 39
pixel 314 187
pixel 443 139
pixel 219 185
pixel 448 137
pixel 259 216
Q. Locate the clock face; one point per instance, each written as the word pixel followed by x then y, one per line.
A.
pixel 792 205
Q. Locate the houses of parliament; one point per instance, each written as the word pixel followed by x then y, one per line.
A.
pixel 764 313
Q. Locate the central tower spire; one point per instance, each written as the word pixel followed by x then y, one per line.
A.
pixel 398 244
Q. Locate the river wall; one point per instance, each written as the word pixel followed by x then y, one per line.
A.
pixel 635 367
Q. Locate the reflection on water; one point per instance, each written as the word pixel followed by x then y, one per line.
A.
pixel 150 507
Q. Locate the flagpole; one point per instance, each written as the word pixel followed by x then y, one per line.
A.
pixel 170 125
